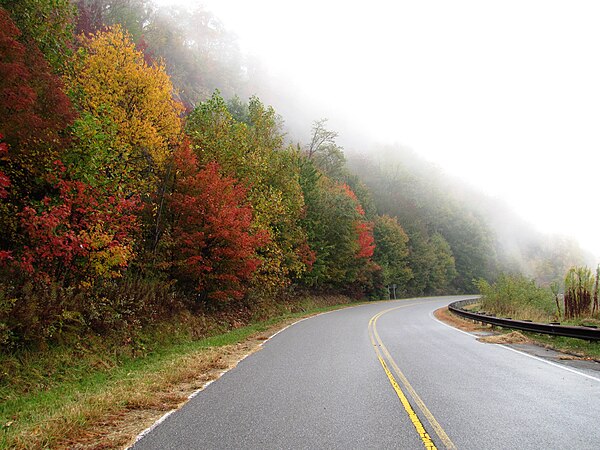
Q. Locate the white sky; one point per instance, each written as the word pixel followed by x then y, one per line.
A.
pixel 504 94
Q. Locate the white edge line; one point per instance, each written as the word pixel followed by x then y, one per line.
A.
pixel 152 427
pixel 205 385
pixel 568 369
pixel 450 326
pixel 560 366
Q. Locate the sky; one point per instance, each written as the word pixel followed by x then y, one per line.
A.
pixel 504 95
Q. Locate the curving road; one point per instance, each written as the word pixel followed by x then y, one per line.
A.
pixel 387 375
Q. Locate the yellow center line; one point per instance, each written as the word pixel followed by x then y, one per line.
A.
pixel 377 345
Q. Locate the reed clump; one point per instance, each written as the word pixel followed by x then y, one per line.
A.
pixel 581 288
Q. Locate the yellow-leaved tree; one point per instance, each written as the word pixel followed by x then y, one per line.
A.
pixel 129 122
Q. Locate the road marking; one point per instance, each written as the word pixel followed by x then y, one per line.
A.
pixel 377 345
pixel 551 363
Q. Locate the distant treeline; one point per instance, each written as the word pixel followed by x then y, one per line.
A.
pixel 131 188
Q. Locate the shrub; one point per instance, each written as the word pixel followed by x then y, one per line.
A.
pixel 516 296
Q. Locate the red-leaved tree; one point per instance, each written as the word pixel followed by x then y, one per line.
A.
pixel 364 229
pixel 366 241
pixel 214 241
pixel 34 110
pixel 80 234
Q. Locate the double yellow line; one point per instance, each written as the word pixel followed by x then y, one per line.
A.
pixel 383 354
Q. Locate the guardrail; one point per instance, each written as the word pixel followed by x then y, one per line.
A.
pixel 581 332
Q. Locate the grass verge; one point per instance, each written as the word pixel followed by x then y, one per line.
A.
pixel 571 346
pixel 99 402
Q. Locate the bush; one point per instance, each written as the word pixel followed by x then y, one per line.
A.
pixel 35 315
pixel 517 296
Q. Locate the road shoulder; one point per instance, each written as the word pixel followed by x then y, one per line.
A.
pixel 527 343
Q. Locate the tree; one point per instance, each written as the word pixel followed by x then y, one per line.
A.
pixel 432 264
pixel 95 15
pixel 78 234
pixel 214 244
pixel 33 107
pixel 253 153
pixel 443 270
pixel 425 204
pixel 199 53
pixel 124 98
pixel 45 24
pixel 321 138
pixel 392 252
pixel 328 156
pixel 34 111
pixel 338 234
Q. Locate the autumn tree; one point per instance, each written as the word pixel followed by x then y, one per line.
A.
pixel 201 55
pixel 45 24
pixel 79 234
pixel 33 107
pixel 432 263
pixel 253 153
pixel 214 243
pixel 338 233
pixel 127 105
pixel 95 15
pixel 34 111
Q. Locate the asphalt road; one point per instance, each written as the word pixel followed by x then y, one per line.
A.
pixel 387 375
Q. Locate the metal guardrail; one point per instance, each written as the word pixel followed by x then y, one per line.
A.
pixel 579 332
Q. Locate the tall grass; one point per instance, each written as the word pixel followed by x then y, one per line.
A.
pixel 579 288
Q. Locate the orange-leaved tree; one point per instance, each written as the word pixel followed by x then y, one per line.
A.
pixel 126 103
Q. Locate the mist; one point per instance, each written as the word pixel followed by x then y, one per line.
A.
pixel 500 97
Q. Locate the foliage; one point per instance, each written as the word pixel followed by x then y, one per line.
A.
pixel 199 53
pixel 338 234
pixel 115 199
pixel 33 108
pixel 431 262
pixel 79 235
pixel 418 196
pixel 131 103
pixel 252 153
pixel 516 296
pixel 392 252
pixel 213 243
pixel 326 153
pixel 45 24
pixel 95 15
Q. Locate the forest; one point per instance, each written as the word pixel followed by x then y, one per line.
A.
pixel 143 180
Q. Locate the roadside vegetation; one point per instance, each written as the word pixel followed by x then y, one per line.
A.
pixel 518 297
pixel 149 199
pixel 94 392
pixel 573 301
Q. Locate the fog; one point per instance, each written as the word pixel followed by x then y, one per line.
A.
pixel 504 96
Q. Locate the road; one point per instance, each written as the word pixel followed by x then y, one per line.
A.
pixel 387 375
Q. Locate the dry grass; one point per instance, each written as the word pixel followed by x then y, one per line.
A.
pixel 114 417
pixel 444 315
pixel 513 337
